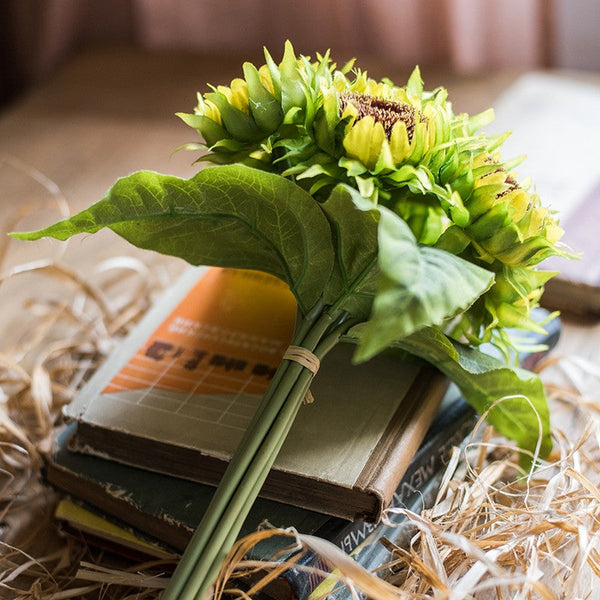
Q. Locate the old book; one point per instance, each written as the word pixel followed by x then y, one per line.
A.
pixel 94 529
pixel 164 507
pixel 140 505
pixel 169 508
pixel 90 526
pixel 177 395
pixel 553 120
pixel 577 288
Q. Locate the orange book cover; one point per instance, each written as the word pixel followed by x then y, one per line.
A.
pixel 178 394
pixel 216 342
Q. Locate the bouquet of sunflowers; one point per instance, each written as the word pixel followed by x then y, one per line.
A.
pixel 394 222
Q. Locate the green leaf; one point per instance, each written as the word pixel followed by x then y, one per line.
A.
pixel 326 122
pixel 240 125
pixel 419 286
pixel 264 107
pixel 355 273
pixel 509 315
pixel 292 90
pixel 210 130
pixel 420 176
pixel 414 86
pixel 275 74
pixel 476 122
pixel 229 216
pixel 453 240
pixel 522 411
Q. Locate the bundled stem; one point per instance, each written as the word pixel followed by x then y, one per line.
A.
pixel 317 332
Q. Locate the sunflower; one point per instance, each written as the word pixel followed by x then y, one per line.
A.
pixel 402 147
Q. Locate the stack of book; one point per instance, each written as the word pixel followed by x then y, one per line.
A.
pixel 153 430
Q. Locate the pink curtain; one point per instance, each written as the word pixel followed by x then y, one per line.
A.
pixel 36 37
pixel 466 35
pixel 486 34
pixel 462 35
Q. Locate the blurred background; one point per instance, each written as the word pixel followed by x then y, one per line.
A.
pixel 467 37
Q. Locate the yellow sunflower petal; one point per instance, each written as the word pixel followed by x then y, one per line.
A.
pixel 265 78
pixel 495 177
pixel 208 109
pixel 520 200
pixel 553 233
pixel 239 95
pixel 364 140
pixel 399 144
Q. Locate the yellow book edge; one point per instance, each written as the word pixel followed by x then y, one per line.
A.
pixel 88 522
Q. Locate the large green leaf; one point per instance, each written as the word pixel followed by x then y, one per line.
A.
pixel 418 286
pixel 355 273
pixel 521 412
pixel 229 216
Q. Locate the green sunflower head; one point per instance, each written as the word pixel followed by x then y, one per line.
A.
pixel 399 146
pixel 248 120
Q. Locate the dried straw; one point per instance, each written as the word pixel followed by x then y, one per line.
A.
pixel 46 358
pixel 490 533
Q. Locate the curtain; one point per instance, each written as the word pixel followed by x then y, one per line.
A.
pixel 36 36
pixel 467 36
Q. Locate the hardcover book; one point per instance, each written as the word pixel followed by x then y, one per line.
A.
pixel 94 529
pixel 548 112
pixel 140 505
pixel 177 395
pixel 168 509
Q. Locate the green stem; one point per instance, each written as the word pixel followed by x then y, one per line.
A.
pixel 245 497
pixel 238 510
pixel 303 326
pixel 256 452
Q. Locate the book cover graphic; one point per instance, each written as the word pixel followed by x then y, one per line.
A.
pixel 213 357
pixel 190 376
